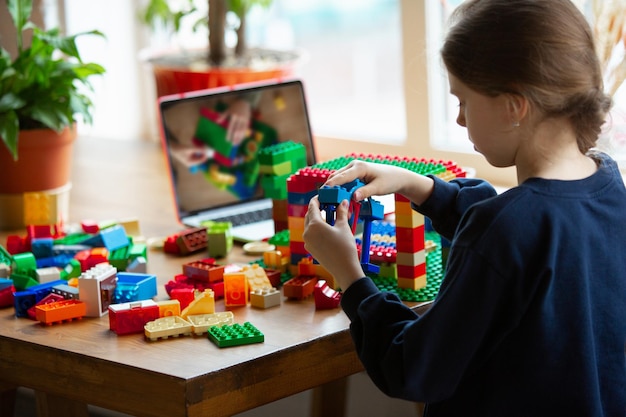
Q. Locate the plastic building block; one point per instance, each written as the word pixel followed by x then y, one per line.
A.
pixel 168 308
pixel 138 265
pixel 92 257
pixel 96 287
pixel 164 327
pixel 112 238
pixel 25 299
pixel 186 242
pixel 257 278
pixel 204 270
pixel 184 295
pixel 325 297
pixel 50 298
pixel 200 323
pixel 134 287
pixel 66 291
pixel 220 238
pixel 6 292
pixel 203 303
pixel 127 318
pixel 274 276
pixel 60 311
pixel 235 289
pixel 306 267
pixel 235 335
pixel 299 287
pixel 90 226
pixel 24 263
pixel 265 298
pixel 71 270
pixel 48 274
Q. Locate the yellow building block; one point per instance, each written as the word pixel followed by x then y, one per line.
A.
pixel 412 283
pixel 168 308
pixel 204 303
pixel 257 278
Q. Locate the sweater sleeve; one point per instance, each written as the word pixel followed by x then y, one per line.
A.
pixel 450 200
pixel 424 358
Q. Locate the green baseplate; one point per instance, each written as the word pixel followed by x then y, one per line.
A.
pixel 434 276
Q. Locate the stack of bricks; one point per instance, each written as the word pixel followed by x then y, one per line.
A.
pixel 277 163
pixel 410 241
pixel 301 187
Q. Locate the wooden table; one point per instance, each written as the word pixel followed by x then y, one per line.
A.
pixel 73 364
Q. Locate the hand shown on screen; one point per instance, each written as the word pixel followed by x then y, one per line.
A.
pixel 239 113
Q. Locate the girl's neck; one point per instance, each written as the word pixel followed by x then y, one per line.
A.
pixel 551 152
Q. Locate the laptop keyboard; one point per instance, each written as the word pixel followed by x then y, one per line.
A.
pixel 247 218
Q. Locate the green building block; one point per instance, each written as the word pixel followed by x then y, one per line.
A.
pixel 71 270
pixel 235 334
pixel 5 257
pixel 21 281
pixel 25 263
pixel 280 239
pixel 434 277
pixel 219 238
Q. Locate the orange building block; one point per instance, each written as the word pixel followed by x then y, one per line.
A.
pixel 60 311
pixel 235 289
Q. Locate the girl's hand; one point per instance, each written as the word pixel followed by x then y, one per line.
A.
pixel 333 247
pixel 382 179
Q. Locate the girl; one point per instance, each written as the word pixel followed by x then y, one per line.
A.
pixel 531 317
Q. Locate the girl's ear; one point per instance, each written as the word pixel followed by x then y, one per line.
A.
pixel 518 108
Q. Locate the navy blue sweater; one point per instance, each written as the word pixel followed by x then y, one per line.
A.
pixel 531 316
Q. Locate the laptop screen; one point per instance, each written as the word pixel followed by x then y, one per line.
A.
pixel 212 138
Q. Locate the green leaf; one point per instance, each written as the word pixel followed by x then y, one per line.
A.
pixel 9 127
pixel 10 101
pixel 20 11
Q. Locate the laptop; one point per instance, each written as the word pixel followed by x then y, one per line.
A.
pixel 212 138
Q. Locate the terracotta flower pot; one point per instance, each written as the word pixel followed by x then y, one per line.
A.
pixel 176 72
pixel 45 161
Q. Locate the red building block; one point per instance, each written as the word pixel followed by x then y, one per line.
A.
pixel 183 295
pixel 325 297
pixel 130 318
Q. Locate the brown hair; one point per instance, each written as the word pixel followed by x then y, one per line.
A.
pixel 541 49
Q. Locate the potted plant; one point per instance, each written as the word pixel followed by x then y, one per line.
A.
pixel 42 93
pixel 216 65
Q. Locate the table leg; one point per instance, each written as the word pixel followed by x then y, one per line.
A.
pixel 7 399
pixel 54 406
pixel 329 400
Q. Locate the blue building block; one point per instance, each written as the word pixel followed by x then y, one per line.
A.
pixel 112 238
pixel 133 286
pixel 42 247
pixel 23 300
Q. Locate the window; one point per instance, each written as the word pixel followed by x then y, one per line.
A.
pixel 446 135
pixel 352 64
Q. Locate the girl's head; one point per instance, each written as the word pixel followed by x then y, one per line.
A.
pixel 542 50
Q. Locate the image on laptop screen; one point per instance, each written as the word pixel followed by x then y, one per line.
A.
pixel 212 139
